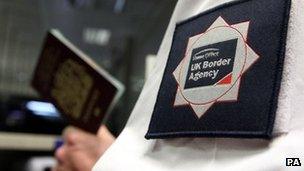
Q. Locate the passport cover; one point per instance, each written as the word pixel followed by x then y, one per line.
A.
pixel 83 92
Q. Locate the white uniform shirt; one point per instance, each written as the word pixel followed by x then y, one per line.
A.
pixel 132 152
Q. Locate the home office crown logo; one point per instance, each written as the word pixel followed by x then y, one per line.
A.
pixel 213 65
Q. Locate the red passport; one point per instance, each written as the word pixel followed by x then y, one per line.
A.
pixel 83 92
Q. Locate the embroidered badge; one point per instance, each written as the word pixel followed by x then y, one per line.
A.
pixel 213 66
pixel 223 73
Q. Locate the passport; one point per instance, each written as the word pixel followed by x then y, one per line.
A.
pixel 83 92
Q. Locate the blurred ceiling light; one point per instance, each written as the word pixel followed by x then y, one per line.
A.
pixel 42 108
pixel 96 36
pixel 119 6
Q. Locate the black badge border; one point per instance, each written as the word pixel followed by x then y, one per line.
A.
pixel 275 92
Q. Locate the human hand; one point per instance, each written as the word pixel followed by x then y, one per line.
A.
pixel 81 150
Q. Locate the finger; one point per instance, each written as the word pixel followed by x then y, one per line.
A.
pixel 61 154
pixel 64 159
pixel 102 131
pixel 80 161
pixel 74 136
pixel 70 135
pixel 105 136
pixel 60 168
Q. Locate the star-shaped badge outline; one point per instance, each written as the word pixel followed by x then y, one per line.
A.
pixel 232 94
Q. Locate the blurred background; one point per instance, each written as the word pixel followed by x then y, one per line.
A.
pixel 122 36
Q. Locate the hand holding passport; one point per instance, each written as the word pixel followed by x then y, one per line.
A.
pixel 83 92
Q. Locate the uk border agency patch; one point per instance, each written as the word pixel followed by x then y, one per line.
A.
pixel 212 68
pixel 223 73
